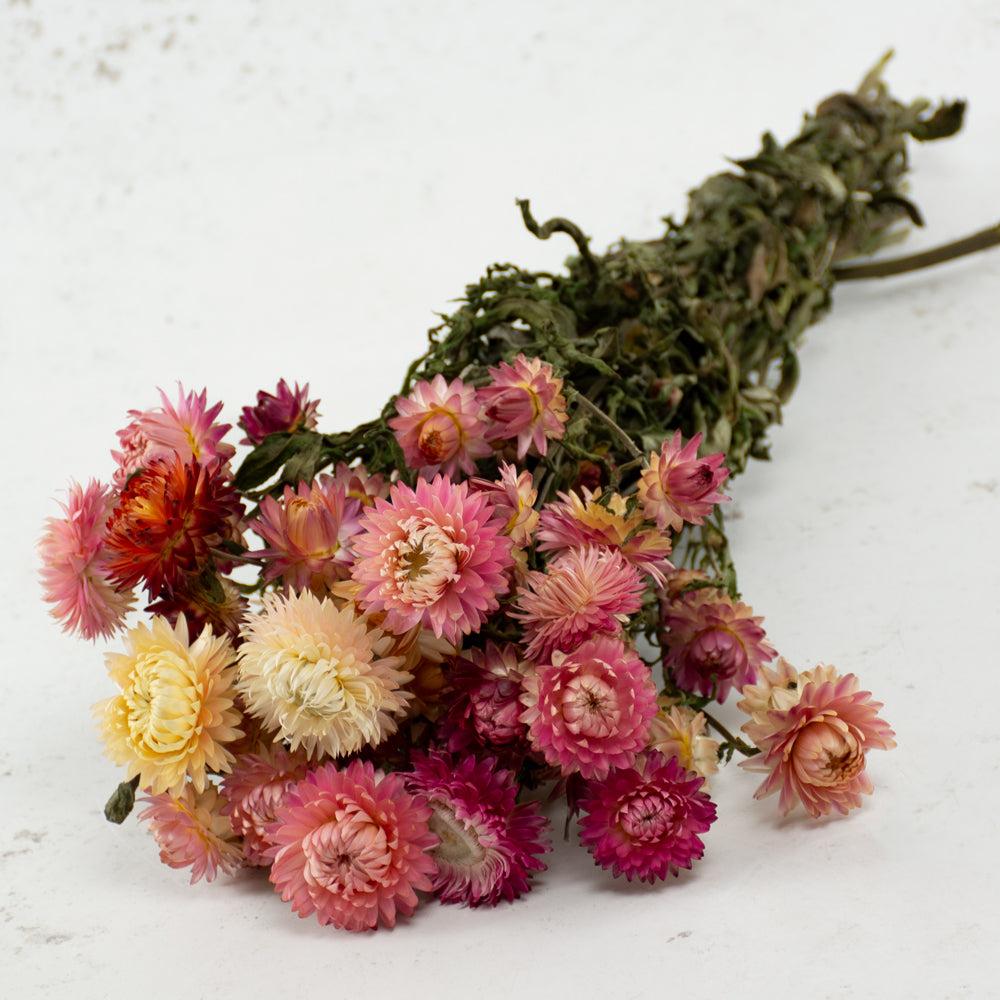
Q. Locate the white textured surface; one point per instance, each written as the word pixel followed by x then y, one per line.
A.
pixel 230 192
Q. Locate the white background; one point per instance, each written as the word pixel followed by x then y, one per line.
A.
pixel 229 193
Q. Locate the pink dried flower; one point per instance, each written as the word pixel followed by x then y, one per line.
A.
pixel 352 846
pixel 439 427
pixel 679 731
pixel 192 832
pixel 590 710
pixel 677 486
pixel 308 534
pixel 254 791
pixel 359 484
pixel 589 518
pixel 524 400
pixel 585 591
pixel 433 556
pixel 489 845
pixel 485 699
pixel 186 429
pixel 814 750
pixel 714 642
pixel 285 409
pixel 74 572
pixel 513 496
pixel 645 822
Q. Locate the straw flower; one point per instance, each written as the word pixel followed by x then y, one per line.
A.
pixel 679 731
pixel 284 410
pixel 677 487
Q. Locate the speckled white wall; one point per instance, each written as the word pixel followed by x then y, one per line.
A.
pixel 229 192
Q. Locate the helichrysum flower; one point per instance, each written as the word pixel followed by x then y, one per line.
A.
pixel 434 556
pixel 714 642
pixel 679 731
pixel 308 534
pixel 185 430
pixel 524 400
pixel 484 700
pixel 285 409
pixel 775 687
pixel 439 427
pixel 584 591
pixel 590 709
pixel 192 832
pixel 488 844
pixel 170 522
pixel 74 573
pixel 359 484
pixel 588 518
pixel 644 822
pixel 513 497
pixel 320 676
pixel 254 790
pixel 814 742
pixel 174 714
pixel 677 486
pixel 353 847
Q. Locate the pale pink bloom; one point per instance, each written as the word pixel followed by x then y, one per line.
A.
pixel 285 409
pixel 644 822
pixel 353 847
pixel 74 571
pixel 677 486
pixel 591 518
pixel 359 484
pixel 513 496
pixel 308 534
pixel 484 701
pixel 254 790
pixel 524 400
pixel 713 642
pixel 192 832
pixel 489 844
pixel 775 687
pixel 435 556
pixel 439 427
pixel 590 710
pixel 186 429
pixel 585 591
pixel 679 731
pixel 814 751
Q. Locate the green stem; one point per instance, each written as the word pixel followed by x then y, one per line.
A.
pixel 596 411
pixel 982 240
pixel 733 741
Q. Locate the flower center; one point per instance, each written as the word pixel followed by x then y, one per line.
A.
pixel 347 855
pixel 440 436
pixel 424 562
pixel 827 753
pixel 459 844
pixel 647 815
pixel 590 707
pixel 163 703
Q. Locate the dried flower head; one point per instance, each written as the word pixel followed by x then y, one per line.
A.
pixel 439 427
pixel 320 676
pixel 174 714
pixel 359 484
pixel 74 572
pixel 679 731
pixel 285 409
pixel 513 496
pixel 353 847
pixel 677 487
pixel 433 556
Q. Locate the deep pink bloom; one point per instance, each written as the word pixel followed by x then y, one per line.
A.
pixel 185 429
pixel 439 427
pixel 484 701
pixel 677 486
pixel 285 409
pixel 585 591
pixel 644 822
pixel 814 751
pixel 75 574
pixel 192 832
pixel 308 534
pixel 489 845
pixel 352 846
pixel 591 518
pixel 434 556
pixel 524 400
pixel 714 642
pixel 254 790
pixel 590 710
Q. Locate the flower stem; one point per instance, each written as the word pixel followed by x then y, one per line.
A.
pixel 982 240
pixel 734 741
pixel 596 411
